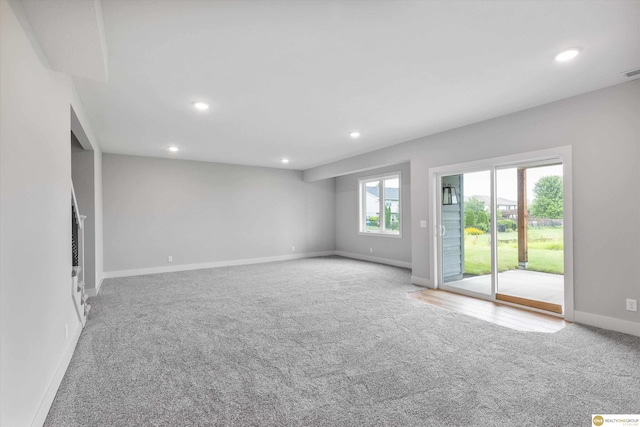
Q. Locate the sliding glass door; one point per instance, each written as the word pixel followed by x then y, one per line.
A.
pixel 500 233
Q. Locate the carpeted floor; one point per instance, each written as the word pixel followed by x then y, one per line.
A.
pixel 332 342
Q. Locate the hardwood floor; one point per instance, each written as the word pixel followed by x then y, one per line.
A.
pixel 542 305
pixel 500 314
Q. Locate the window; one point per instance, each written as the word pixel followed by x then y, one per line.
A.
pixel 380 205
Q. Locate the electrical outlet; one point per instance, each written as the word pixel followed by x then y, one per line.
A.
pixel 170 258
pixel 370 250
pixel 423 223
pixel 632 304
pixel 293 248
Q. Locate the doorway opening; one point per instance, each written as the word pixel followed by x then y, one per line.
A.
pixel 84 176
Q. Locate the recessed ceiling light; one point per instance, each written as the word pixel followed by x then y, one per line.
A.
pixel 201 105
pixel 285 161
pixel 354 134
pixel 173 149
pixel 567 55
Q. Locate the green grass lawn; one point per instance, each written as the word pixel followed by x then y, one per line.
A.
pixel 545 252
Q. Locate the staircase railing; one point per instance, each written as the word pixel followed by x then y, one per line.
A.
pixel 77 257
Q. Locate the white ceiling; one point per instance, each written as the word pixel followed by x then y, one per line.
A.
pixel 71 34
pixel 293 78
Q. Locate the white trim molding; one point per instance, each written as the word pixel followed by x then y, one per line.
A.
pixel 362 193
pixel 92 292
pixel 604 322
pixel 215 264
pixel 50 394
pixel 421 281
pixel 230 263
pixel 386 261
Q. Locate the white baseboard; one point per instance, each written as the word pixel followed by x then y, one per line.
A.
pixel 229 263
pixel 386 261
pixel 604 322
pixel 92 292
pixel 47 400
pixel 421 281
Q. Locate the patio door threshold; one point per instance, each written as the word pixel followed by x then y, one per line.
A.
pixel 541 305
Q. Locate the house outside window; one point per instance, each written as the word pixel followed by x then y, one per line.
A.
pixel 380 205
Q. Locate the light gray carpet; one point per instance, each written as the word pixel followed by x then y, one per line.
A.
pixel 327 341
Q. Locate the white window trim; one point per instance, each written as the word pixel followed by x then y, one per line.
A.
pixel 362 194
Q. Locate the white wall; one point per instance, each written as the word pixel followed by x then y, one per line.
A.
pixel 203 213
pixel 35 225
pixel 603 128
pixel 349 242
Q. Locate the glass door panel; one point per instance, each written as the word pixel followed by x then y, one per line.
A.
pixel 466 239
pixel 529 236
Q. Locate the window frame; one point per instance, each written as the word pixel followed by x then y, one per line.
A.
pixel 362 195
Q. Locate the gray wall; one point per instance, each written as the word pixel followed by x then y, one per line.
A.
pixel 603 128
pixel 347 237
pixel 36 305
pixel 201 212
pixel 99 223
